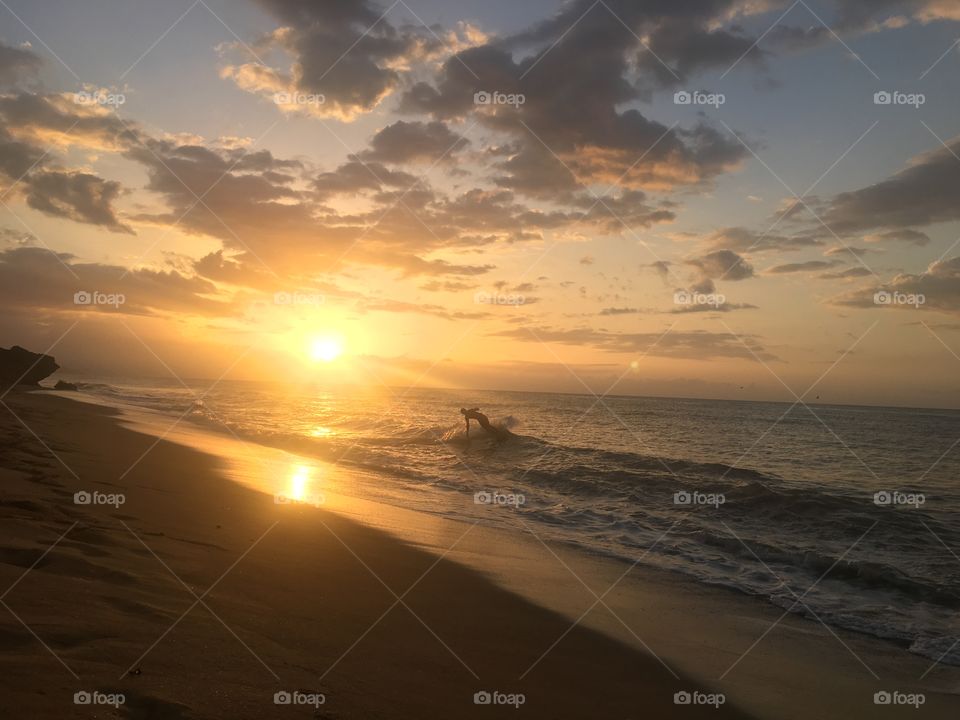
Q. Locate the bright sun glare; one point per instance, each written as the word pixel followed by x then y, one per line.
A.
pixel 326 349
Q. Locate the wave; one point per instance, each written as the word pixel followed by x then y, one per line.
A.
pixel 619 499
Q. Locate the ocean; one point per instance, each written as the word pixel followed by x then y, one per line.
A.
pixel 848 515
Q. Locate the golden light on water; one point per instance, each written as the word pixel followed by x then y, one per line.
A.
pixel 299 483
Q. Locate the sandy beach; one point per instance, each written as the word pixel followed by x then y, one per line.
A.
pixel 199 598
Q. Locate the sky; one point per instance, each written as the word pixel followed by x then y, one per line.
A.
pixel 740 199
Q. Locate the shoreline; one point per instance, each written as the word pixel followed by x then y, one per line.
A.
pixel 697 632
pixel 240 598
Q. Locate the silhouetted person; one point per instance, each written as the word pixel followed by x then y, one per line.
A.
pixel 482 420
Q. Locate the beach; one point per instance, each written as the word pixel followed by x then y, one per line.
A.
pixel 292 589
pixel 189 593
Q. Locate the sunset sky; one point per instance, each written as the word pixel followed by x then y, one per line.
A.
pixel 489 194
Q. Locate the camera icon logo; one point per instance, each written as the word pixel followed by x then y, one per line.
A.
pixel 82 698
pixel 682 498
pixel 483 497
pixel 882 698
pixel 82 498
pixel 882 97
pixel 482 97
pixel 682 97
pixel 282 697
pixel 882 297
pixel 482 698
pixel 882 498
pixel 682 698
pixel 82 298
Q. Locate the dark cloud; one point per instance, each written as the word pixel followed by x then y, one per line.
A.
pixel 939 285
pixel 358 175
pixel 925 192
pixel 17 64
pixel 347 51
pixel 36 278
pixel 404 142
pixel 575 109
pixel 722 265
pixel 77 196
pixel 808 266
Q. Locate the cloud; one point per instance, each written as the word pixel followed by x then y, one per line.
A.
pixel 848 251
pixel 939 284
pixel 405 142
pixel 923 193
pixel 808 266
pixel 854 272
pixel 396 306
pixel 857 17
pixel 17 64
pixel 707 308
pixel 573 128
pixel 358 175
pixel 907 235
pixel 692 345
pixel 742 239
pixel 722 265
pixel 78 196
pixel 215 266
pixel 38 279
pixel 347 52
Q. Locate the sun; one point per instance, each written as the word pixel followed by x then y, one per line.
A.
pixel 326 349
